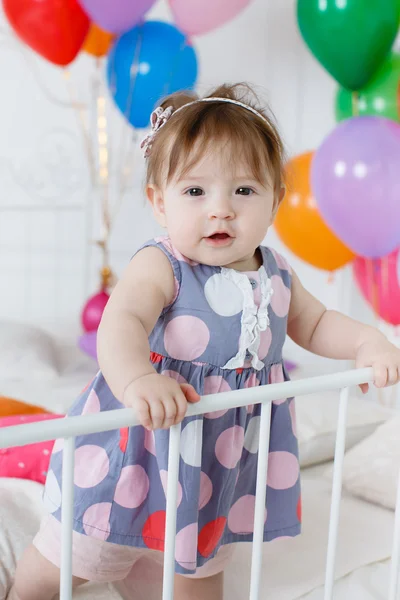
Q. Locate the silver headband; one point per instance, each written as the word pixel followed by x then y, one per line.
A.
pixel 160 116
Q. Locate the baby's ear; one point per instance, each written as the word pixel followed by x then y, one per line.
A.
pixel 277 201
pixel 281 194
pixel 156 199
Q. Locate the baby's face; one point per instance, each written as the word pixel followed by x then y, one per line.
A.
pixel 216 213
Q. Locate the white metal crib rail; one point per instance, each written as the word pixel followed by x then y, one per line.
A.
pixel 70 428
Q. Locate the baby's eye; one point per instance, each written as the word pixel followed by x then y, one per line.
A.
pixel 244 191
pixel 194 192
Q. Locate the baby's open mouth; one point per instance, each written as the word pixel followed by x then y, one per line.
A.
pixel 219 236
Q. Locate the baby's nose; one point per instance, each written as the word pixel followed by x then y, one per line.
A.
pixel 222 209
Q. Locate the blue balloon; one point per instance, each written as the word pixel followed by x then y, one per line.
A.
pixel 146 63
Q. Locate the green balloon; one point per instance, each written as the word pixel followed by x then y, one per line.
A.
pixel 350 38
pixel 379 97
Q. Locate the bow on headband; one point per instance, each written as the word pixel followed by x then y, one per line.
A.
pixel 158 118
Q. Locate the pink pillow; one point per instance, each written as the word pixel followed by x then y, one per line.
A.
pixel 26 462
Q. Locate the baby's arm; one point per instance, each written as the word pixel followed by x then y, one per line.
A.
pixel 334 335
pixel 136 303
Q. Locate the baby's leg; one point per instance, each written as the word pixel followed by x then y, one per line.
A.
pixel 199 589
pixel 208 580
pixel 37 578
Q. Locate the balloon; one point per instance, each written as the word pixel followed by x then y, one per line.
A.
pixel 55 30
pixel 93 311
pixel 300 226
pixel 194 17
pixel 88 343
pixel 379 282
pixel 165 62
pixel 355 179
pixel 348 39
pixel 98 41
pixel 379 97
pixel 289 365
pixel 116 16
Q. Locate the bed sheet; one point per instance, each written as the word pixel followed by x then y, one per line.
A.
pixel 366 583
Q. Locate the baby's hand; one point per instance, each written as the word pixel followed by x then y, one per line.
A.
pixel 159 401
pixel 384 358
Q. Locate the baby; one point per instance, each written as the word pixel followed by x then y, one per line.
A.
pixel 204 309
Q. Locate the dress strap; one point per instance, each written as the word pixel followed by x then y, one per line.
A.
pixel 164 244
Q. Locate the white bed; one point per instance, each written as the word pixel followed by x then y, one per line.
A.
pixel 293 569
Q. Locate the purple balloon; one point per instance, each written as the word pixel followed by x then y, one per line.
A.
pixel 87 343
pixel 116 16
pixel 355 177
pixel 289 365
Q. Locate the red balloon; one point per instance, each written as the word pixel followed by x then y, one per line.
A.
pixel 55 29
pixel 93 311
pixel 379 282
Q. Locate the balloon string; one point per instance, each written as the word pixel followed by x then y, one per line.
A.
pixel 104 170
pixel 108 216
pixel 83 126
pixel 385 275
pixel 174 66
pixel 128 169
pixel 133 72
pixel 28 57
pixel 373 286
pixel 354 103
pixel 124 152
pixel 376 307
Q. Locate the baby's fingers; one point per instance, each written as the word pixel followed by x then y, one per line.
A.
pixel 393 375
pixel 143 412
pixel 190 393
pixel 157 413
pixel 380 375
pixel 181 407
pixel 170 410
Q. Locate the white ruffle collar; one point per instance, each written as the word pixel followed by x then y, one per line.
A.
pixel 254 319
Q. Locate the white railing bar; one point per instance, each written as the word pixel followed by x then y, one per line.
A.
pixel 67 515
pixel 170 523
pixel 19 435
pixel 261 493
pixel 340 448
pixel 395 565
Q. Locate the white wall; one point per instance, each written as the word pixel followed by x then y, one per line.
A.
pixel 44 179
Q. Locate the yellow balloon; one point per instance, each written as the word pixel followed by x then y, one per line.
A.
pixel 300 225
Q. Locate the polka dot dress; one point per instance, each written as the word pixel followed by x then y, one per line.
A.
pixel 223 331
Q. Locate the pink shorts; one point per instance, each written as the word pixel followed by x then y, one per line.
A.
pixel 96 560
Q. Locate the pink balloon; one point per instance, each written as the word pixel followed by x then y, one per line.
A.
pixel 93 311
pixel 379 282
pixel 195 17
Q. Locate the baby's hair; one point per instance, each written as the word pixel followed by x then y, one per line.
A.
pixel 248 137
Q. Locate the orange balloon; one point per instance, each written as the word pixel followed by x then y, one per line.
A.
pixel 98 41
pixel 300 225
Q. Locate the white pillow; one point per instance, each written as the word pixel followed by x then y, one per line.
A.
pixel 371 468
pixel 316 416
pixel 26 352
